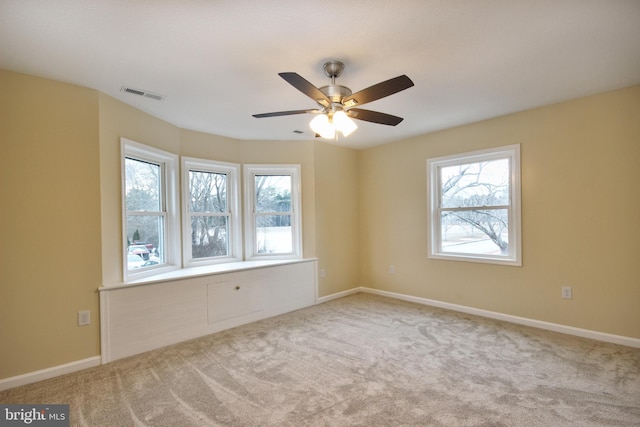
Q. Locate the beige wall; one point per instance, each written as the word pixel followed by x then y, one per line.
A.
pixel 290 152
pixel 60 222
pixel 206 146
pixel 61 217
pixel 580 216
pixel 121 120
pixel 49 223
pixel 337 216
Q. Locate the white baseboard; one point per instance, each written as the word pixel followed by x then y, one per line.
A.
pixel 47 373
pixel 339 295
pixel 55 371
pixel 569 330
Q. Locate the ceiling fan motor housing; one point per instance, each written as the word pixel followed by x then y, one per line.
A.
pixel 335 92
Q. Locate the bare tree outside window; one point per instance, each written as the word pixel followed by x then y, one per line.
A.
pixel 209 214
pixel 475 202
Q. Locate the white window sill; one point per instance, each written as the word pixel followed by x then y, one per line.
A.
pixel 207 270
pixel 515 262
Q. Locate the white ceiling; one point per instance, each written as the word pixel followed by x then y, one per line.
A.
pixel 217 61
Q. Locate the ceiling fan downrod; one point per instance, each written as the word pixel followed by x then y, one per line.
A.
pixel 334 92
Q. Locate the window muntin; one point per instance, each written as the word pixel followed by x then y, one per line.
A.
pixel 148 192
pixel 211 230
pixel 474 211
pixel 273 212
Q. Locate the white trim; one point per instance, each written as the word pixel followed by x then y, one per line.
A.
pixel 555 327
pixel 91 362
pixel 204 270
pixel 250 246
pixel 339 295
pixel 45 374
pixel 169 164
pixel 232 170
pixel 105 343
pixel 434 244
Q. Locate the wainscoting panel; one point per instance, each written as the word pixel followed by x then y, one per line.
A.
pixel 235 295
pixel 143 317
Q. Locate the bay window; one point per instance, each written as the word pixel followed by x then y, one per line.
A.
pixel 212 220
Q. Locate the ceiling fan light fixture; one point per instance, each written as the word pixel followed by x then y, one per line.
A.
pixel 321 125
pixel 343 123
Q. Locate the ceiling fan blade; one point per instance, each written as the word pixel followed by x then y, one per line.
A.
pixel 284 113
pixel 374 117
pixel 377 91
pixel 297 81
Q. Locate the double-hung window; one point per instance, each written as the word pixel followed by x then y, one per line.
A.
pixel 150 212
pixel 273 221
pixel 211 223
pixel 474 206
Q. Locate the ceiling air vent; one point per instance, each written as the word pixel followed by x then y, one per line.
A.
pixel 141 92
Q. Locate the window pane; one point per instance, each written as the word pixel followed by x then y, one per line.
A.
pixel 482 232
pixel 208 191
pixel 145 239
pixel 475 184
pixel 142 186
pixel 273 234
pixel 209 236
pixel 273 193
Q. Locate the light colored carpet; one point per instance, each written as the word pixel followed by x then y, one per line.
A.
pixel 362 360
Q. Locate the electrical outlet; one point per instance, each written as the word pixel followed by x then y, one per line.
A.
pixel 567 292
pixel 84 318
pixel 392 269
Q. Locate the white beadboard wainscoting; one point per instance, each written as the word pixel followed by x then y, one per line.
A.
pixel 139 317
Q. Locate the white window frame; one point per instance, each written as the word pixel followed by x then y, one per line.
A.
pixel 434 186
pixel 169 188
pixel 250 171
pixel 232 171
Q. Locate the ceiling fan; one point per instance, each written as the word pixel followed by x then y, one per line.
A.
pixel 337 104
